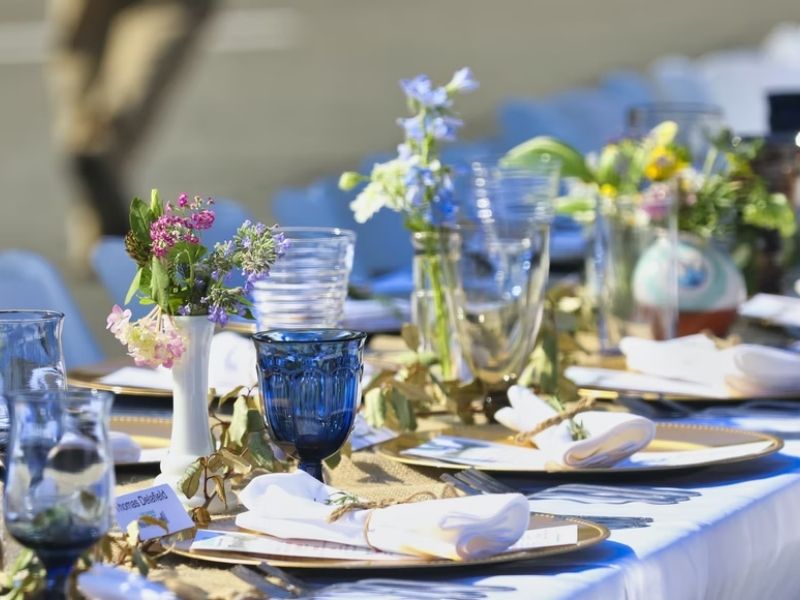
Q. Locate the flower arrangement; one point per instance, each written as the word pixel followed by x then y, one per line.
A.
pixel 417 184
pixel 725 197
pixel 181 277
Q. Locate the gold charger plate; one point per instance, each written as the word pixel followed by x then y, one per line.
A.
pixel 151 433
pixel 589 534
pixel 670 437
pixel 89 377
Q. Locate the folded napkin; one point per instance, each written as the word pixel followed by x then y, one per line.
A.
pixel 104 582
pixel 296 506
pixel 124 448
pixel 612 437
pixel 746 369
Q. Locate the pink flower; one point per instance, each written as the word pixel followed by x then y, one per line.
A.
pixel 203 219
pixel 118 323
pixel 183 200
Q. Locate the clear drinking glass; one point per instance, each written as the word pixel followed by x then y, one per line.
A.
pixel 30 355
pixel 632 273
pixel 310 383
pixel 503 267
pixel 307 286
pixel 60 477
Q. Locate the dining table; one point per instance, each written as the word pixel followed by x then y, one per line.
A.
pixel 723 532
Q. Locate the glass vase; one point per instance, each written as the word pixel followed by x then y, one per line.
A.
pixel 436 254
pixel 632 271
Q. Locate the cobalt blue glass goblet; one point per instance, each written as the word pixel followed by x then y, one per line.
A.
pixel 310 383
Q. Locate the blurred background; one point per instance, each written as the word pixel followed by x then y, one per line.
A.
pixel 287 93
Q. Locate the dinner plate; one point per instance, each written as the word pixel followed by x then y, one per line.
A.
pixel 151 433
pixel 693 446
pixel 589 534
pixel 89 377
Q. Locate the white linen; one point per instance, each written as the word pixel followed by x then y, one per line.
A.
pixel 612 436
pixel 746 369
pixel 124 448
pixel 781 310
pixel 104 582
pixel 232 362
pixel 296 506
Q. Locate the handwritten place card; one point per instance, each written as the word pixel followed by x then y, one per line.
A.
pixel 158 502
pixel 365 435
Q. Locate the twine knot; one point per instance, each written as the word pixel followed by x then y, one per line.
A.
pixel 342 510
pixel 583 405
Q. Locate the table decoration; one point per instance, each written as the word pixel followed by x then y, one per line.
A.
pixel 721 210
pixel 31 357
pixel 310 382
pixel 60 478
pixel 187 284
pixel 675 447
pixel 419 185
pixel 607 438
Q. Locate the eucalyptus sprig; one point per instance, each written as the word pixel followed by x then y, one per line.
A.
pixel 242 449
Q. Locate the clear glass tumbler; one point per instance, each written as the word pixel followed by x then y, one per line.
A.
pixel 307 286
pixel 60 477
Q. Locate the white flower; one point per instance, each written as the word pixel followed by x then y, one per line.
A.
pixel 387 188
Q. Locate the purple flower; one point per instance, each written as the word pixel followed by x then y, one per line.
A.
pixel 203 219
pixel 413 128
pixel 445 128
pixel 218 315
pixel 462 81
pixel 184 310
pixel 420 89
pixel 183 201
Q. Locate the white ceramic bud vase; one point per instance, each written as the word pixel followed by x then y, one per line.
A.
pixel 191 435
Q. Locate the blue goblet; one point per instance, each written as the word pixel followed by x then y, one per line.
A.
pixel 310 383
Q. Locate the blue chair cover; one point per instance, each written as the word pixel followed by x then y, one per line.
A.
pixel 28 281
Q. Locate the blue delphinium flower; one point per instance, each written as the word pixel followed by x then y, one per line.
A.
pixel 462 82
pixel 413 127
pixel 421 90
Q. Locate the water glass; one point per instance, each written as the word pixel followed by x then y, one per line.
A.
pixel 310 383
pixel 504 266
pixel 60 477
pixel 30 355
pixel 632 272
pixel 307 286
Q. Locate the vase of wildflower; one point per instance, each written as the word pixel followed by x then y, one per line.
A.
pixel 417 184
pixel 187 285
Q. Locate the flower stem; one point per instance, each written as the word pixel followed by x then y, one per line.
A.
pixel 433 263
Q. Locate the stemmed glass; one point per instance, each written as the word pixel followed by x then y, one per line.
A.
pixel 311 385
pixel 503 269
pixel 59 478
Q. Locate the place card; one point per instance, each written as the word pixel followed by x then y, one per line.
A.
pixel 474 452
pixel 365 435
pixel 159 502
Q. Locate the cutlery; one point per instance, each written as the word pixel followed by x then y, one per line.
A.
pixel 588 493
pixel 271 582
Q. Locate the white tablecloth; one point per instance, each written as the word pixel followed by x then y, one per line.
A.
pixel 740 539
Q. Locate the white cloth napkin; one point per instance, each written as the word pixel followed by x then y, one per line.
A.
pixel 746 369
pixel 104 582
pixel 124 448
pixel 296 506
pixel 612 437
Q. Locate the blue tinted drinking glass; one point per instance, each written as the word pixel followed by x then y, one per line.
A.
pixel 59 477
pixel 311 385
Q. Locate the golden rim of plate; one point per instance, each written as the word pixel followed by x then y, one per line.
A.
pixel 589 534
pixel 148 432
pixel 669 436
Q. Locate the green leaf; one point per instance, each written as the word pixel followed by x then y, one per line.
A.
pixel 259 451
pixel 333 461
pixel 375 407
pixel 234 462
pixel 410 335
pixel 159 283
pixel 140 219
pixel 134 285
pixel 156 208
pixel 532 152
pixel 238 428
pixel 403 409
pixel 190 482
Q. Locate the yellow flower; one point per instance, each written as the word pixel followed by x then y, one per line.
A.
pixel 663 163
pixel 608 190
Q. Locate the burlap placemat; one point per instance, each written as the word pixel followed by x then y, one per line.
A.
pixel 365 474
